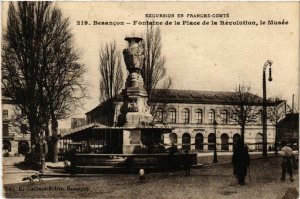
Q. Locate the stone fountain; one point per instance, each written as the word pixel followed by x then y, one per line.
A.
pixel 135 133
pixel 135 110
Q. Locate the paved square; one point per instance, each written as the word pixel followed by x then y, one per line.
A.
pixel 214 181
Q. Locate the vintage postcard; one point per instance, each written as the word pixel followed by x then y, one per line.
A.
pixel 150 99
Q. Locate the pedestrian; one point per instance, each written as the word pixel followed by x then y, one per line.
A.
pixel 240 161
pixel 287 157
pixel 187 162
pixel 171 159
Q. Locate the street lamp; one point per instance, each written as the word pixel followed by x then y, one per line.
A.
pixel 264 113
pixel 215 144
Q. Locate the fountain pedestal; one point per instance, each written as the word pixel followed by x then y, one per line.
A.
pixel 132 141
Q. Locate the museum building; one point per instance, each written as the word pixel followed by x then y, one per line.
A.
pixel 191 115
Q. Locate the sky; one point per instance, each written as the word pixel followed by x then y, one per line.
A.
pixel 198 57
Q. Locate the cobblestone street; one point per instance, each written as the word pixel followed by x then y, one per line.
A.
pixel 212 181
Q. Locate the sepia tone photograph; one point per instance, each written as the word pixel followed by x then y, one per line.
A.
pixel 105 99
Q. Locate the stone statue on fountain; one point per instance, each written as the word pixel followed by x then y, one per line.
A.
pixel 135 109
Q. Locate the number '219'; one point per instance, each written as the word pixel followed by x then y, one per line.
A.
pixel 82 22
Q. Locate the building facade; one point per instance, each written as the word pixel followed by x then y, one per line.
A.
pixel 288 129
pixel 191 115
pixel 15 139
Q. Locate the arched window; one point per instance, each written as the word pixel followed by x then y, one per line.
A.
pixel 186 116
pixel 186 141
pixel 211 141
pixel 172 115
pixel 173 138
pixel 224 141
pixel 199 116
pixel 235 137
pixel 224 116
pixel 159 115
pixel 199 141
pixel 211 116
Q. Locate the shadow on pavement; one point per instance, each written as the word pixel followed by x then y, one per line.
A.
pixel 24 166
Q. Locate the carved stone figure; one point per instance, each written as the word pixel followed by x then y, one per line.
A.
pixel 134 54
pixel 135 108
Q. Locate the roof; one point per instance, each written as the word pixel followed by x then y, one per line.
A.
pixel 196 97
pixel 193 96
pixel 82 128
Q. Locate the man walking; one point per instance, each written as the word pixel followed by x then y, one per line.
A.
pixel 287 155
pixel 240 161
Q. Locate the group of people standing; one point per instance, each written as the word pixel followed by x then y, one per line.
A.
pixel 241 161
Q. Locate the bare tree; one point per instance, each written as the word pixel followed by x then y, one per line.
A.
pixel 111 81
pixel 21 60
pixel 157 101
pixel 243 108
pixel 276 112
pixel 40 70
pixel 154 70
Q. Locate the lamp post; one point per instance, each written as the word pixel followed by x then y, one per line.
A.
pixel 264 112
pixel 215 143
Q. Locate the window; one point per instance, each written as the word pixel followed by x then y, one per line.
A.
pixel 172 113
pixel 211 141
pixel 159 115
pixel 5 114
pixel 224 116
pixel 199 141
pixel 199 116
pixel 224 142
pixel 186 116
pixel 186 141
pixel 5 129
pixel 173 138
pixel 211 116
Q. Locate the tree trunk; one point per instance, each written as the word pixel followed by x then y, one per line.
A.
pixel 54 128
pixel 34 131
pixel 243 132
pixel 32 136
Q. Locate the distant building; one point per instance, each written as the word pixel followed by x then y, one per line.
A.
pixel 288 128
pixel 191 115
pixel 14 135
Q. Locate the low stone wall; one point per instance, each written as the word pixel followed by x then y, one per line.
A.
pixel 97 163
